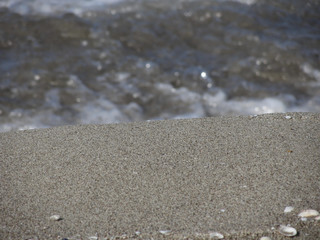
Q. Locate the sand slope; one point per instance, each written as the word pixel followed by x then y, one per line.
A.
pixel 234 175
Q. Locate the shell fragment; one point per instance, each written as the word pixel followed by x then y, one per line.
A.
pixel 287 231
pixel 309 213
pixel 265 238
pixel 288 209
pixel 215 235
pixel 55 218
pixel 165 232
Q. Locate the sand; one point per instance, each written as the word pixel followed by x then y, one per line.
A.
pixel 186 178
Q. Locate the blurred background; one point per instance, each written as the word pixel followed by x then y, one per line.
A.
pixel 106 61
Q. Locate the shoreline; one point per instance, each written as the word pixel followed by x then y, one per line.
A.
pixel 232 175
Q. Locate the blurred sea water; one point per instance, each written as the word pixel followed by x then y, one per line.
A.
pixel 105 61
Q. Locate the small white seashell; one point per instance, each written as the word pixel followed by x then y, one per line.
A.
pixel 165 232
pixel 287 231
pixel 288 209
pixel 55 218
pixel 309 213
pixel 93 238
pixel 215 235
pixel 287 117
pixel 265 238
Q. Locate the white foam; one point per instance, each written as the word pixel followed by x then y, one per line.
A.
pixel 190 104
pixel 47 7
pixel 78 7
pixel 183 97
pixel 100 111
pixel 27 120
pixel 313 73
pixel 248 2
pixel 52 98
pixel 218 104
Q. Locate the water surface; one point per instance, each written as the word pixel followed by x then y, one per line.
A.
pixel 109 61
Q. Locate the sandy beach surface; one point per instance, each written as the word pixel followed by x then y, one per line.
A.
pixel 173 179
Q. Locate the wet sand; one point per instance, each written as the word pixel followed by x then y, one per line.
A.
pixel 233 175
